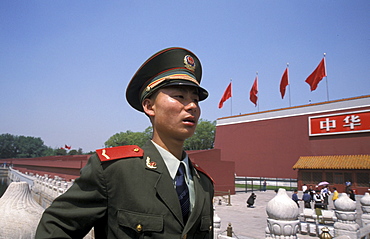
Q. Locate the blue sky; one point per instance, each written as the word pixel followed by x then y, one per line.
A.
pixel 65 65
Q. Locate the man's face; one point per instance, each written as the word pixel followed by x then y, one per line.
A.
pixel 175 112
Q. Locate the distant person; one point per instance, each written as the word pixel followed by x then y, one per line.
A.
pixel 306 199
pixel 251 200
pixel 304 187
pixel 335 194
pixel 264 186
pixel 348 186
pixel 325 192
pixel 317 198
pixel 295 197
pixel 311 192
pixel 352 195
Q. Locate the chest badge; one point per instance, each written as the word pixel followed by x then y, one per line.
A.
pixel 150 164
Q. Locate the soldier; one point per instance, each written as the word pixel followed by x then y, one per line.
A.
pixel 149 192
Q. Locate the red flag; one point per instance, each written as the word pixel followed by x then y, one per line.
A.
pixel 284 82
pixel 317 75
pixel 253 93
pixel 225 96
pixel 67 147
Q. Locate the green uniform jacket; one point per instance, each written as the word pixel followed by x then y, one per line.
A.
pixel 128 198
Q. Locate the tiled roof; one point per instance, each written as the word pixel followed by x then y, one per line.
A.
pixel 333 162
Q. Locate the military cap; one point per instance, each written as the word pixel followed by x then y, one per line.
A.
pixel 171 66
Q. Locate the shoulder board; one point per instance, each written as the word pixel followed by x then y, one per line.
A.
pixel 126 151
pixel 196 166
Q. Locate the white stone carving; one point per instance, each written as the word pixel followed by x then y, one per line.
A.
pixel 346 214
pixel 365 206
pixel 20 214
pixel 282 221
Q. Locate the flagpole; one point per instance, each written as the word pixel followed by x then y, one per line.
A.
pixel 258 105
pixel 231 99
pixel 287 66
pixel 326 79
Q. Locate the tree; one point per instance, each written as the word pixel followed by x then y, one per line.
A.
pixel 12 146
pixel 203 137
pixel 29 147
pixel 7 146
pixel 75 152
pixel 129 138
pixel 48 152
pixel 60 151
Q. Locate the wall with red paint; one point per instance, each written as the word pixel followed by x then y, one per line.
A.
pixel 267 146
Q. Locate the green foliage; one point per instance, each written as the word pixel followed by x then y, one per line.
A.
pixel 129 138
pixel 59 151
pixel 49 151
pixel 75 152
pixel 21 146
pixel 13 146
pixel 203 137
pixel 30 147
pixel 7 146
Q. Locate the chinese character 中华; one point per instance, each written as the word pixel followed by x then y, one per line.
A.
pixel 352 121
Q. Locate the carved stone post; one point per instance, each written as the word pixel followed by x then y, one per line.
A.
pixel 216 225
pixel 365 206
pixel 346 214
pixel 282 221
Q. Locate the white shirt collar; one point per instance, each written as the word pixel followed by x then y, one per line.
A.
pixel 172 162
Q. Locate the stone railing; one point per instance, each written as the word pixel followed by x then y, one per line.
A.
pixel 43 190
pixel 16 176
pixel 46 189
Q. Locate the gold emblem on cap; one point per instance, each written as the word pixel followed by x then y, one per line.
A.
pixel 189 62
pixel 148 88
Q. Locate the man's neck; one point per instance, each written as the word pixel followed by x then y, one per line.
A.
pixel 172 146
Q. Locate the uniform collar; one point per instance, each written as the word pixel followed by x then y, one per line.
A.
pixel 172 162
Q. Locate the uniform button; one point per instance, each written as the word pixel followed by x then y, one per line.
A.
pixel 210 228
pixel 136 150
pixel 139 228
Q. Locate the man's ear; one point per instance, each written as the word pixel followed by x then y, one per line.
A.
pixel 148 107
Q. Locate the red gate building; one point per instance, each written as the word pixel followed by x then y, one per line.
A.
pixel 269 143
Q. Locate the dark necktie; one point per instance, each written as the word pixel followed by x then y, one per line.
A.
pixel 183 192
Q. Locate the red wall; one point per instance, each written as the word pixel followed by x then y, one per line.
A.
pixel 68 167
pixel 222 172
pixel 270 148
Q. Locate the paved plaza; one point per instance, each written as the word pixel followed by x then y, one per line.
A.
pixel 250 223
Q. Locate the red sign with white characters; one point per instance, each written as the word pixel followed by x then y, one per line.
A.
pixel 342 123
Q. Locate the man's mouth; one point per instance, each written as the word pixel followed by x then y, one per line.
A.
pixel 189 120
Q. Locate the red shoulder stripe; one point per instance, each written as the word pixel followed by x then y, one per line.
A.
pixel 126 151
